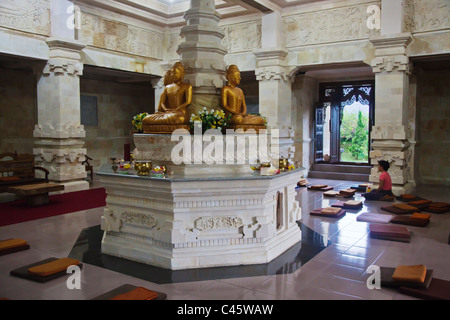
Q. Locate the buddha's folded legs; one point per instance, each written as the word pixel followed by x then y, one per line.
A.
pixel 170 117
pixel 247 119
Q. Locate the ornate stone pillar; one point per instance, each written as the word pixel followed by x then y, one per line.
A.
pixel 59 134
pixel 202 54
pixel 275 83
pixel 391 132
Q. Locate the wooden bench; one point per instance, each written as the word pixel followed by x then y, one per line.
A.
pixel 36 194
pixel 19 169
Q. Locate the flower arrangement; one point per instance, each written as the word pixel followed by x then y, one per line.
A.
pixel 137 121
pixel 213 119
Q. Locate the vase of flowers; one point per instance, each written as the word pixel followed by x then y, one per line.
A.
pixel 212 119
pixel 137 122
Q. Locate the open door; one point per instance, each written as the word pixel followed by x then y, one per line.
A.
pixel 343 122
pixel 319 129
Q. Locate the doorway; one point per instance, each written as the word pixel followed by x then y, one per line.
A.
pixel 343 122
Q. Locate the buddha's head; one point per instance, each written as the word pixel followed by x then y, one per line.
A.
pixel 168 77
pixel 177 72
pixel 233 75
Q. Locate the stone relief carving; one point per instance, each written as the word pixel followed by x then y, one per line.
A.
pixel 391 63
pixel 242 37
pixel 139 219
pixel 208 223
pixel 61 66
pixel 26 15
pixel 339 24
pixel 272 73
pixel 117 36
pixel 426 15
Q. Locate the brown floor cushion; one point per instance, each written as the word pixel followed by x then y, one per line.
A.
pixel 438 207
pixel 23 272
pixel 410 273
pixel 13 245
pixel 438 289
pixel 389 232
pixel 388 281
pixel 318 212
pixel 126 289
pixel 393 209
pixel 406 220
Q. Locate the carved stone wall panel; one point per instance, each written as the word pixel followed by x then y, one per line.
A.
pixel 426 15
pixel 333 25
pixel 118 36
pixel 26 15
pixel 242 37
pixel 208 223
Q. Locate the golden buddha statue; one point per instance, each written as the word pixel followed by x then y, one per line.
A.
pixel 176 97
pixel 233 102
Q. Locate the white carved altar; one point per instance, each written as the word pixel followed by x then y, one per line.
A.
pixel 182 222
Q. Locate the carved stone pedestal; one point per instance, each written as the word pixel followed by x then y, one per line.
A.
pixel 184 222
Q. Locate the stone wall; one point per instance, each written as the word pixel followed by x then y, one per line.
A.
pixel 116 105
pixel 17 110
pixel 31 16
pixel 434 127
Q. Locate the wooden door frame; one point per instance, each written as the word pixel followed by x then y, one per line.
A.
pixel 338 96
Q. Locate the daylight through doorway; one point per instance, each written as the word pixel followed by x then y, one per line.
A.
pixel 343 122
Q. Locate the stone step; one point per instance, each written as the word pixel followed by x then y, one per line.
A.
pixel 339 176
pixel 341 168
pixel 340 172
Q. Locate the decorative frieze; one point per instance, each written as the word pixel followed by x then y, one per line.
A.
pixel 272 73
pixel 426 15
pixel 325 26
pixel 63 67
pixel 59 131
pixel 139 219
pixel 242 37
pixel 391 63
pixel 26 15
pixel 208 223
pixel 117 36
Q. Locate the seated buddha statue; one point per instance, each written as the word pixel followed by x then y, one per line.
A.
pixel 233 102
pixel 176 97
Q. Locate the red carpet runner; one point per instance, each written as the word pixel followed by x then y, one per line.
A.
pixel 17 211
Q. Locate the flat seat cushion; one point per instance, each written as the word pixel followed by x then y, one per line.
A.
pixel 438 289
pixel 139 293
pixel 419 202
pixel 318 212
pixel 393 209
pixel 330 210
pixel 331 193
pixel 408 196
pixel 374 217
pixel 52 267
pixel 440 204
pixel 417 216
pixel 12 243
pixel 126 289
pixel 386 274
pixel 438 207
pixel 347 192
pixel 406 220
pixel 410 273
pixel 389 230
pixel 404 206
pixel 22 272
pixel 318 186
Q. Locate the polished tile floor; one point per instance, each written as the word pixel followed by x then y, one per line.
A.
pixel 336 272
